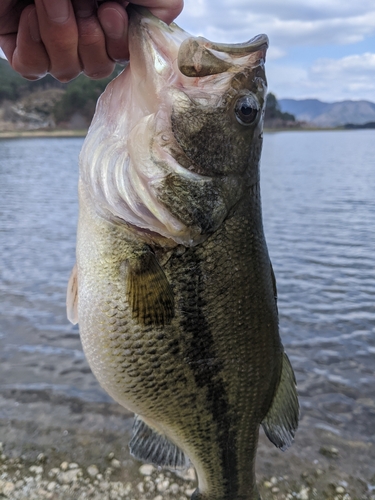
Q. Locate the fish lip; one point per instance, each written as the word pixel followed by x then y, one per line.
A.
pixel 258 42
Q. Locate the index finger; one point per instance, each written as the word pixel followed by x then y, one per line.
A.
pixel 10 13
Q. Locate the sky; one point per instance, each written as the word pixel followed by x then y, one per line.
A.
pixel 323 49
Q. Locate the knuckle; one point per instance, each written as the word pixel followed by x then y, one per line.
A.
pixel 90 32
pixel 92 40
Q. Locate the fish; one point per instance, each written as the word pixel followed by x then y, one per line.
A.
pixel 173 286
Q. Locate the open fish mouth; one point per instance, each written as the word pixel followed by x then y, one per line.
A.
pixel 195 56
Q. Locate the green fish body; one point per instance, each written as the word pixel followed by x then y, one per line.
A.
pixel 173 288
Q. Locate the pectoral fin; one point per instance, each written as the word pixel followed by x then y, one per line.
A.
pixel 281 420
pixel 72 297
pixel 148 291
pixel 150 446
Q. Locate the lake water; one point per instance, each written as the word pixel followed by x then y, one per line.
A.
pixel 318 191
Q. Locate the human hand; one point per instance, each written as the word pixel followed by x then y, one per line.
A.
pixel 66 37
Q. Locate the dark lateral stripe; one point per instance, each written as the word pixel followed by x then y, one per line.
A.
pixel 207 370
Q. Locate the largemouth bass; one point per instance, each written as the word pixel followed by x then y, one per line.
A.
pixel 173 288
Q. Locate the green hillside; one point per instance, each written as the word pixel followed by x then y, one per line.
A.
pixel 76 97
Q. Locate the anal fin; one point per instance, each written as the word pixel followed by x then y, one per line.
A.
pixel 152 447
pixel 148 291
pixel 72 297
pixel 281 421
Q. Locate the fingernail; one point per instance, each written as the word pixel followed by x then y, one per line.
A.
pixel 33 26
pixel 113 23
pixel 57 10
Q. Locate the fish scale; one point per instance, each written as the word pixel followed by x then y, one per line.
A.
pixel 178 316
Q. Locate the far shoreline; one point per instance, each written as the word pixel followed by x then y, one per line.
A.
pixel 63 133
pixel 14 134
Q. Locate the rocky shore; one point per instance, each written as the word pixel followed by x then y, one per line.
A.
pixel 54 475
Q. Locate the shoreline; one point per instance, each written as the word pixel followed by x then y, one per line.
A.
pixel 45 472
pixel 42 134
pixel 60 133
pixel 68 449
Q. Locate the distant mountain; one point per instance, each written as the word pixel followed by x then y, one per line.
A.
pixel 324 114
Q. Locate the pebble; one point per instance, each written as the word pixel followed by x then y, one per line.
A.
pixel 267 484
pixel 64 465
pixel 37 469
pixel 116 464
pixel 104 485
pixel 92 470
pixel 140 487
pixel 51 486
pixel 340 490
pixel 146 469
pixel 304 494
pixel 69 476
pixel 163 485
pixel 174 488
pixel 54 471
pixel 329 451
pixel 8 488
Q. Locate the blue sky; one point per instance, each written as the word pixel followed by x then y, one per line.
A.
pixel 321 49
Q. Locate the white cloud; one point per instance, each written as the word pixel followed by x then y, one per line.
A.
pixel 274 53
pixel 356 74
pixel 351 77
pixel 287 23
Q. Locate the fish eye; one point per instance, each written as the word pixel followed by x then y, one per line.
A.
pixel 246 109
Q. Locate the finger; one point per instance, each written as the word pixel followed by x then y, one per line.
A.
pixel 114 21
pixel 91 41
pixel 10 13
pixel 30 58
pixel 166 10
pixel 59 33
